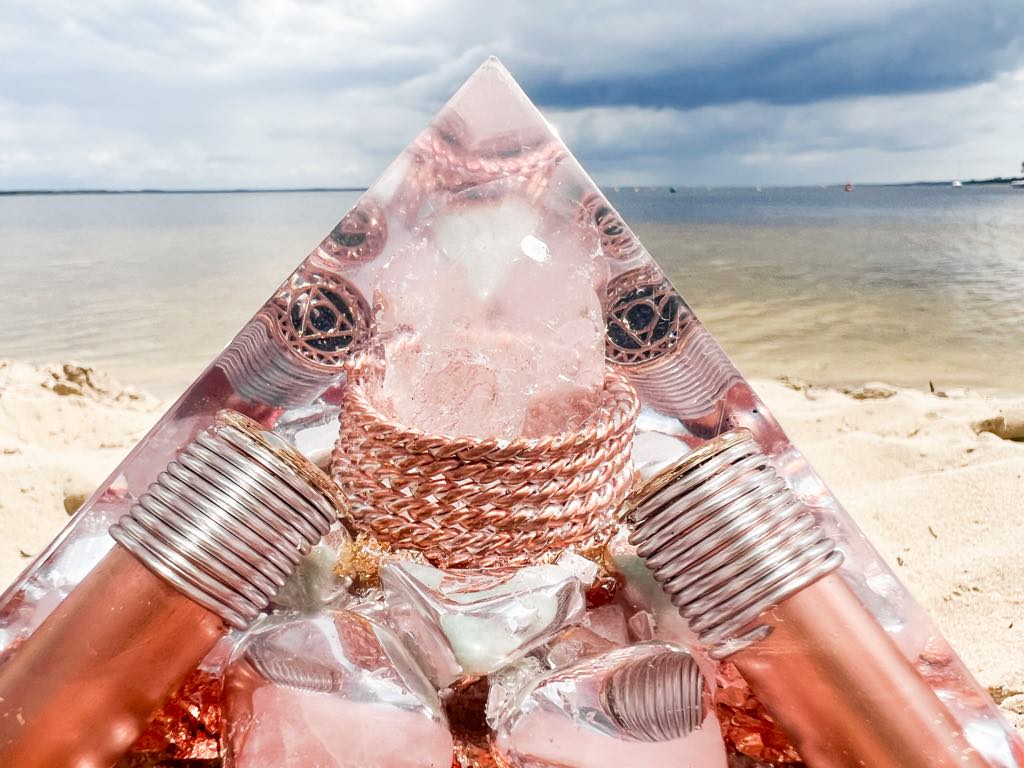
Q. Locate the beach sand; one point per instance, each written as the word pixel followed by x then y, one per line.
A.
pixel 940 501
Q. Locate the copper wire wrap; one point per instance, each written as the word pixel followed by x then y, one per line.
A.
pixel 617 240
pixel 674 363
pixel 261 369
pixel 485 502
pixel 358 238
pixel 443 159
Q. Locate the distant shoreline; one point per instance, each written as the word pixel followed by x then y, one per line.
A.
pixel 993 182
pixel 225 191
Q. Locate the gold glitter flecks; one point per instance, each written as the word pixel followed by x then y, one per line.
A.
pixel 360 559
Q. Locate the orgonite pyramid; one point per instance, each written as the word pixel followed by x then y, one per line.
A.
pixel 572 534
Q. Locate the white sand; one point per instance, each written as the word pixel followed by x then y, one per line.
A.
pixel 940 502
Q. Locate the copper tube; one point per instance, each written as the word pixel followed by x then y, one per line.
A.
pixel 834 678
pixel 206 547
pixel 83 687
pixel 755 576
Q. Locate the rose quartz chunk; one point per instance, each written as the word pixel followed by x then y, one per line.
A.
pixel 332 690
pixel 562 720
pixel 302 729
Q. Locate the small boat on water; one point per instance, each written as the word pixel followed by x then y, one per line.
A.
pixel 848 187
pixel 957 184
pixel 1017 183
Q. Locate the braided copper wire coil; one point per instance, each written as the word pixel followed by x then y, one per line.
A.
pixel 616 415
pixel 484 502
pixel 443 159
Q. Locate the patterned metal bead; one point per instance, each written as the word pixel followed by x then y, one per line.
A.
pixel 617 241
pixel 645 317
pixel 359 237
pixel 323 317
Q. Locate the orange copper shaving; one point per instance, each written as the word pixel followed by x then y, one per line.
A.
pixel 188 727
pixel 746 725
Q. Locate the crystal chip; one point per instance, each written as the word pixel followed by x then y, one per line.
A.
pixel 643 705
pixel 334 690
pixel 473 622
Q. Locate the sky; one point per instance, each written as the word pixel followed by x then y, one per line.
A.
pixel 264 93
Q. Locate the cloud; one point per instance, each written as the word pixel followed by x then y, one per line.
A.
pixel 972 131
pixel 891 49
pixel 185 93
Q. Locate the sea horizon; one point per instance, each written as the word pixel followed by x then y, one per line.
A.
pixel 995 181
pixel 916 286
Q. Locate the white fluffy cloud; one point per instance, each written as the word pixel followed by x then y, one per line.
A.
pixel 111 93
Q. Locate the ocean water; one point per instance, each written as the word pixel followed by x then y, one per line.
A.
pixel 909 285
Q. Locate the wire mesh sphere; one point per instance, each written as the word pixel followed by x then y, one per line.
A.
pixel 360 236
pixel 645 317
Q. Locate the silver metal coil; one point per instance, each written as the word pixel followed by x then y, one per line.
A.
pixel 281 667
pixel 230 517
pixel 688 381
pixel 660 697
pixel 262 368
pixel 727 539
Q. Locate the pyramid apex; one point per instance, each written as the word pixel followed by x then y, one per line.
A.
pixel 492 102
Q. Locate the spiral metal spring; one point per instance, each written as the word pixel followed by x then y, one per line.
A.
pixel 280 667
pixel 689 381
pixel 263 369
pixel 228 520
pixel 727 539
pixel 656 698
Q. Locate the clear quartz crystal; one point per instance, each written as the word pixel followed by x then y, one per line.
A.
pixel 511 335
pixel 473 622
pixel 570 718
pixel 315 584
pixel 333 690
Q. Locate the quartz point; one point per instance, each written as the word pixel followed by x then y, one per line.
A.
pixel 465 623
pixel 333 690
pixel 511 340
pixel 645 705
pixel 491 268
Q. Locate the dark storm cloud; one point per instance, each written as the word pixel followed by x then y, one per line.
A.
pixel 937 47
pixel 204 93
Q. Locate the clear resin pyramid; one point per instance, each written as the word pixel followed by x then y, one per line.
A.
pixel 546 467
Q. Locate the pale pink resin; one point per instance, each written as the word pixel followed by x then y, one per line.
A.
pixel 490 135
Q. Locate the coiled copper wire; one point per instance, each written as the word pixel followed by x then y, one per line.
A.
pixel 443 159
pixel 228 520
pixel 674 363
pixel 466 501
